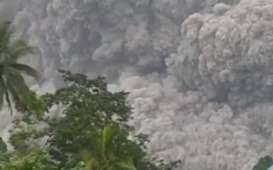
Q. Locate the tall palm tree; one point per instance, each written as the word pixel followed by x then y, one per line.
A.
pixel 12 85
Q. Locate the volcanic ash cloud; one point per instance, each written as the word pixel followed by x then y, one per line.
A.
pixel 229 56
pixel 213 109
pixel 208 104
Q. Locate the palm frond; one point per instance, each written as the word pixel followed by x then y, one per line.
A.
pixel 108 134
pixel 3 146
pixel 18 49
pixel 14 92
pixel 7 96
pixel 26 69
pixel 18 89
pixel 5 35
pixel 15 79
pixel 2 93
pixel 106 137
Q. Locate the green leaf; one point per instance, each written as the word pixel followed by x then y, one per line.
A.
pixel 20 48
pixel 3 146
pixel 26 69
pixel 2 93
pixel 264 163
pixel 3 83
pixel 106 136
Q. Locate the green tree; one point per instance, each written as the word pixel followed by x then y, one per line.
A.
pixel 12 85
pixel 264 163
pixel 91 128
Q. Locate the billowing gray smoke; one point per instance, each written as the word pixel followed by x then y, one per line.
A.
pixel 228 57
pixel 201 90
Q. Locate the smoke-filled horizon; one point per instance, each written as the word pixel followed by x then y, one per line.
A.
pixel 199 72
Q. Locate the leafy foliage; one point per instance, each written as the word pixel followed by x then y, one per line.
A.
pixel 264 163
pixel 3 146
pixel 3 151
pixel 36 160
pixel 90 130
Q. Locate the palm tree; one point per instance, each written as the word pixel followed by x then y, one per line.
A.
pixel 109 152
pixel 12 85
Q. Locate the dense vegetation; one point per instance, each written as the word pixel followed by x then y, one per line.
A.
pixel 88 132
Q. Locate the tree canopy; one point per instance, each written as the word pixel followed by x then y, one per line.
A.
pixel 88 132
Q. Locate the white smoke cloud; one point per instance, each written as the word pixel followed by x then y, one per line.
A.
pixel 202 91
